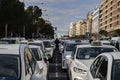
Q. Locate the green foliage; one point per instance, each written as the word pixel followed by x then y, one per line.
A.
pixel 103 32
pixel 13 14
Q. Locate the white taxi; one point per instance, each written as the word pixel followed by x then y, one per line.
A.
pixel 41 59
pixel 105 67
pixel 68 48
pixel 18 63
pixel 83 55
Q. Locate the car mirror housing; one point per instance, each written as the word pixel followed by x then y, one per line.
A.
pixel 68 57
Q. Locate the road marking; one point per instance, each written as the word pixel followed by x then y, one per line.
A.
pixel 56 74
pixel 56 65
pixel 56 69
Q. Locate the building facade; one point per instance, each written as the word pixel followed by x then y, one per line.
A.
pixel 89 22
pixel 72 29
pixel 96 22
pixel 110 15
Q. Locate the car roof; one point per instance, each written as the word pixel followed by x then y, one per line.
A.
pixel 12 49
pixel 89 45
pixel 34 46
pixel 115 55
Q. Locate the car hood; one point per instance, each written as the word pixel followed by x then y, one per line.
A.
pixel 84 63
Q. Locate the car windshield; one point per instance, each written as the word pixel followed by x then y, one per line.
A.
pixel 47 44
pixel 116 70
pixel 92 52
pixel 37 44
pixel 36 53
pixel 69 47
pixel 9 67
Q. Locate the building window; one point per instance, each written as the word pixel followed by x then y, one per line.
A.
pixel 111 2
pixel 119 3
pixel 105 11
pixel 110 25
pixel 110 19
pixel 119 9
pixel 105 22
pixel 105 27
pixel 106 6
pixel 110 14
pixel 111 8
pixel 117 16
pixel 105 16
pixel 117 22
pixel 106 1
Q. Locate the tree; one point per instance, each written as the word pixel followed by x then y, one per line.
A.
pixel 103 32
pixel 12 14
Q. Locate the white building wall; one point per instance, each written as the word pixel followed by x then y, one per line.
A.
pixel 95 21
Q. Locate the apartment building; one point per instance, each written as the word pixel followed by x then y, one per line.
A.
pixel 89 22
pixel 110 15
pixel 80 27
pixel 72 29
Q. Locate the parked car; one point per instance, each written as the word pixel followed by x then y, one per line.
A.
pixel 115 41
pixel 18 63
pixel 41 59
pixel 81 58
pixel 12 40
pixel 38 43
pixel 48 47
pixel 105 67
pixel 68 48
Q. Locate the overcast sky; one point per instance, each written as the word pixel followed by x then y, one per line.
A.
pixel 62 12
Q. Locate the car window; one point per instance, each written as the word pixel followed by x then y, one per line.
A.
pixel 47 44
pixel 36 53
pixel 92 52
pixel 31 59
pixel 102 71
pixel 9 67
pixel 69 47
pixel 116 70
pixel 95 66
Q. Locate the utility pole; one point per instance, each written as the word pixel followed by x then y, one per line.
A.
pixel 23 26
pixel 6 26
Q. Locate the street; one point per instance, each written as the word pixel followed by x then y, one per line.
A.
pixel 55 70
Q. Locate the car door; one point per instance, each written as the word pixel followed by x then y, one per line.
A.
pixel 94 67
pixel 103 69
pixel 99 68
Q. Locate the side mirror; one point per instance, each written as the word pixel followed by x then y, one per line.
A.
pixel 68 57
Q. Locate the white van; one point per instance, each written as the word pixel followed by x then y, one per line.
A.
pixel 114 41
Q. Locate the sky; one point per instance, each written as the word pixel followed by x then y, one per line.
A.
pixel 61 12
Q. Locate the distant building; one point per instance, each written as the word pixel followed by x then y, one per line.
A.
pixel 72 29
pixel 89 22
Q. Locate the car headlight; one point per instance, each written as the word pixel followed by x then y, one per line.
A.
pixel 78 70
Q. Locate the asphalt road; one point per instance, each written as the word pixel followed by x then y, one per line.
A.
pixel 55 70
